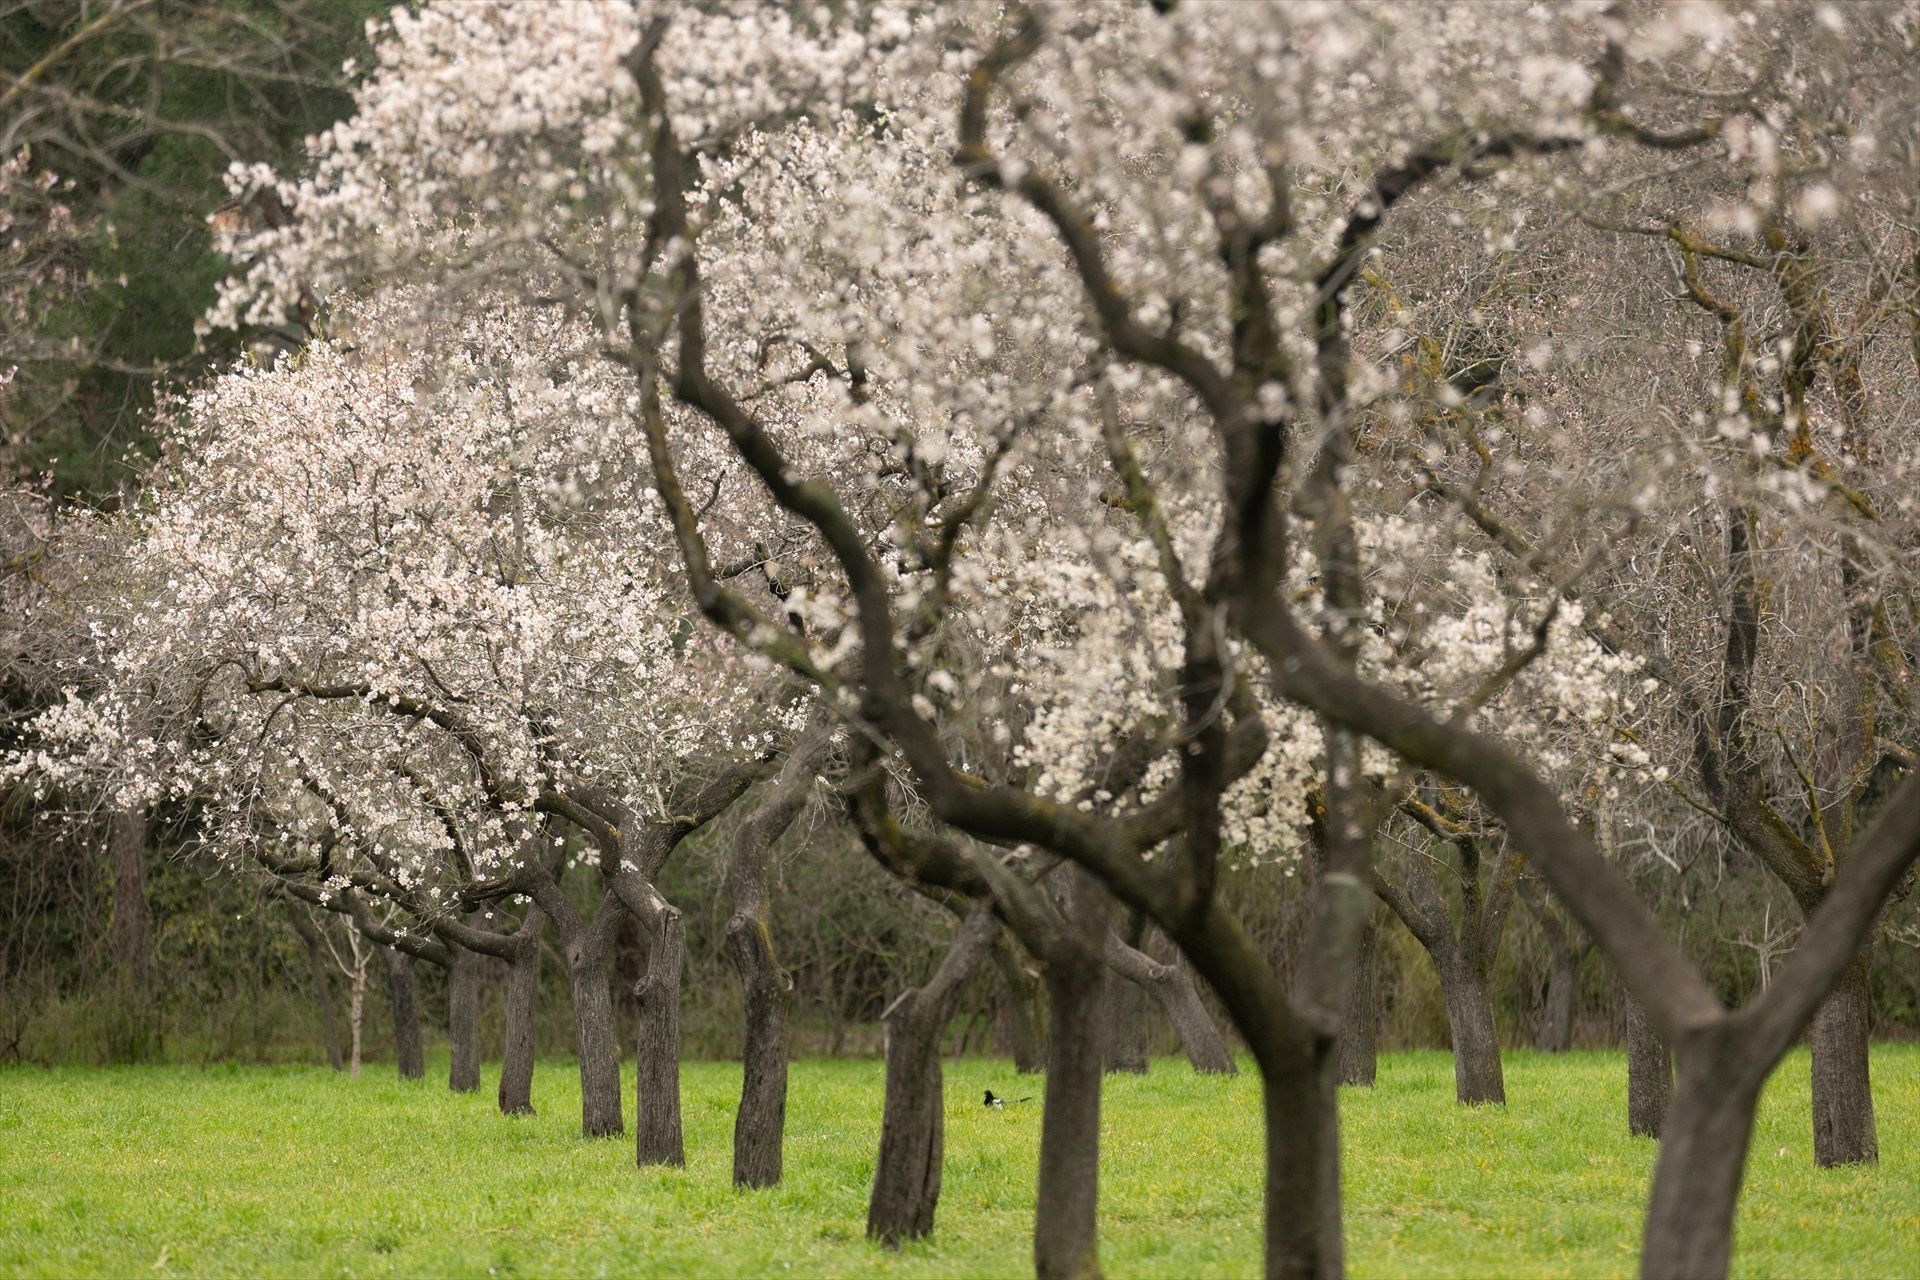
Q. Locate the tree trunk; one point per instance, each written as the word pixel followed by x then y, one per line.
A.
pixel 1696 1181
pixel 906 1177
pixel 1299 1089
pixel 129 930
pixel 523 988
pixel 1649 1073
pixel 1476 1045
pixel 407 1052
pixel 760 1124
pixel 1556 1019
pixel 657 1087
pixel 1066 1243
pixel 1020 1024
pixel 594 1036
pixel 1172 987
pixel 463 1019
pixel 1125 1019
pixel 1359 1020
pixel 357 1015
pixel 1843 1124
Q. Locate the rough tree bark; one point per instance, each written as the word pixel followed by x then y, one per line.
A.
pixel 1843 1122
pixel 463 1019
pixel 759 1126
pixel 906 1177
pixel 587 947
pixel 657 1129
pixel 1173 988
pixel 407 1052
pixel 1359 1019
pixel 523 988
pixel 1649 1073
pixel 1066 1242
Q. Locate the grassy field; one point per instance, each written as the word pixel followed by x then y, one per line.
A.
pixel 296 1171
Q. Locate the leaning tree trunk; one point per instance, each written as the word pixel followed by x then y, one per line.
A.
pixel 1696 1181
pixel 1649 1073
pixel 407 1052
pixel 1843 1122
pixel 1172 987
pixel 1476 1046
pixel 523 989
pixel 1066 1242
pixel 657 1082
pixel 906 1177
pixel 1020 1023
pixel 463 1019
pixel 1359 1019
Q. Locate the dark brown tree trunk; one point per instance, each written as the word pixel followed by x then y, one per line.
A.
pixel 1020 1023
pixel 322 988
pixel 1843 1123
pixel 1696 1181
pixel 463 1020
pixel 657 1088
pixel 523 989
pixel 1066 1242
pixel 1477 1077
pixel 127 838
pixel 1172 987
pixel 1359 1041
pixel 1649 1073
pixel 594 1036
pixel 407 1052
pixel 760 1124
pixel 906 1177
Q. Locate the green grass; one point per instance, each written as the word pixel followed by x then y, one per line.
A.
pixel 296 1171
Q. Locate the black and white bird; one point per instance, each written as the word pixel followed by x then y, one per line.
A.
pixel 994 1100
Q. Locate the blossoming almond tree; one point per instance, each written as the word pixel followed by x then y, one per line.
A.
pixel 755 207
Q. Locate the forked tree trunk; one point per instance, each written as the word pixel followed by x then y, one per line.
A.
pixel 523 988
pixel 463 1020
pixel 594 1037
pixel 1172 987
pixel 1696 1181
pixel 1020 1023
pixel 1066 1242
pixel 906 1177
pixel 1359 1019
pixel 1477 1076
pixel 1649 1073
pixel 407 1052
pixel 657 1082
pixel 1843 1122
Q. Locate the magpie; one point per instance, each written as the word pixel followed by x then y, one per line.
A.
pixel 993 1101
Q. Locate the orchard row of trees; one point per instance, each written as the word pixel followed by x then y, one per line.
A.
pixel 1095 453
